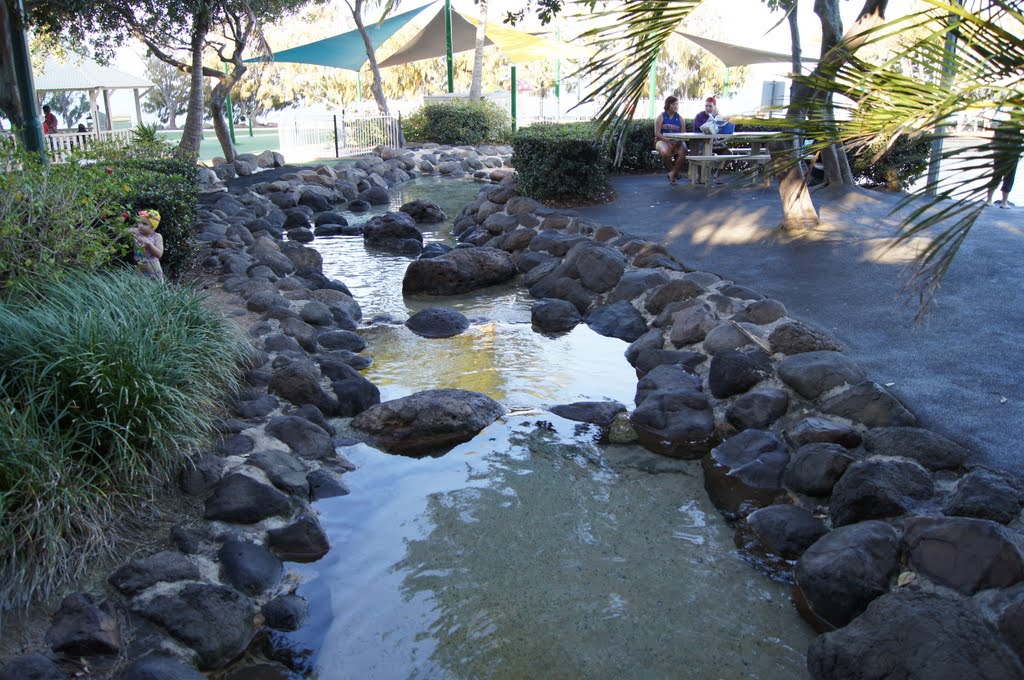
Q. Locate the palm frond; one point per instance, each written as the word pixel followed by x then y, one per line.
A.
pixel 626 47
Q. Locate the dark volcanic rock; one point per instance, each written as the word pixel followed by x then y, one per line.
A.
pixel 305 438
pixel 816 468
pixel 931 450
pixel 285 612
pixel 428 422
pixel 794 337
pixel 84 625
pixel 423 211
pixel 876 488
pixel 745 472
pixel 301 541
pixel 215 621
pixel 675 422
pixel 666 377
pixel 168 566
pixel 242 499
pixel 596 412
pixel 812 373
pixel 786 530
pixel 813 430
pixel 868 402
pixel 733 372
pixel 967 555
pixel 758 409
pixel 158 666
pixel 554 316
pixel 32 667
pixel 848 568
pixel 250 568
pixel 393 232
pixel 986 494
pixel 437 322
pixel 619 320
pixel 459 271
pixel 914 636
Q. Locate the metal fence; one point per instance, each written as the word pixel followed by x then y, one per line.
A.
pixel 307 137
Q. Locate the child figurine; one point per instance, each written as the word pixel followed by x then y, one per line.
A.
pixel 149 245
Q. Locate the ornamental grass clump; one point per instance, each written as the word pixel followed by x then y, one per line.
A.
pixel 109 383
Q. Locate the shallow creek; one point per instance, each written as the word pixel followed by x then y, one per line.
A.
pixel 532 550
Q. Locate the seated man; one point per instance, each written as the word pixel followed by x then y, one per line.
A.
pixel 710 115
pixel 669 120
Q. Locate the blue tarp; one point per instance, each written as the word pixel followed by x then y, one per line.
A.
pixel 346 50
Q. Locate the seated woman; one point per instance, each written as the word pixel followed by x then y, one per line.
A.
pixel 669 120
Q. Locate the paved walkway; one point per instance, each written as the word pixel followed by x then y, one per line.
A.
pixel 960 371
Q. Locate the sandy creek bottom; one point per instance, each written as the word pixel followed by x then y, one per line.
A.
pixel 530 551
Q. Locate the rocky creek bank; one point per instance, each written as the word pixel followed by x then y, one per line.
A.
pixel 907 558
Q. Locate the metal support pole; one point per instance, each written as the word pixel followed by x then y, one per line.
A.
pixel 558 74
pixel 652 86
pixel 448 45
pixel 32 135
pixel 231 117
pixel 514 122
pixel 337 153
pixel 250 126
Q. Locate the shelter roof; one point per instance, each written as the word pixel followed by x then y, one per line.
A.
pixel 81 74
pixel 737 55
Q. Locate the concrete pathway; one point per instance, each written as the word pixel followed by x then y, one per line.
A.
pixel 960 371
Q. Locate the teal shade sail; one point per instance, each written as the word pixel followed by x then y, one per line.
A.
pixel 346 50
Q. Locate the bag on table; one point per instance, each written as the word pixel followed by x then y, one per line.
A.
pixel 709 128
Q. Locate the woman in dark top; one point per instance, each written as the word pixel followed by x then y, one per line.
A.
pixel 669 120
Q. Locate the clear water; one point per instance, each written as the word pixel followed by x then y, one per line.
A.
pixel 531 550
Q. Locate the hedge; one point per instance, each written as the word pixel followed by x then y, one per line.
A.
pixel 459 122
pixel 561 160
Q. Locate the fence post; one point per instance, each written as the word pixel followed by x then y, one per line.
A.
pixel 336 153
pixel 344 130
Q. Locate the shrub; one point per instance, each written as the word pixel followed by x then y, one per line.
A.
pixel 57 218
pixel 459 122
pixel 109 383
pixel 637 144
pixel 896 169
pixel 561 161
pixel 64 217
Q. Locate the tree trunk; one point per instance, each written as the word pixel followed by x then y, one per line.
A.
pixel 797 208
pixel 794 40
pixel 192 136
pixel 9 104
pixel 478 54
pixel 218 101
pixel 375 87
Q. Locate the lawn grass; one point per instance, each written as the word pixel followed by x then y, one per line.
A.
pixel 262 139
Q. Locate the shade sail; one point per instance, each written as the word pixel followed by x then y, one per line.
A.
pixel 519 47
pixel 738 55
pixel 346 50
pixel 82 75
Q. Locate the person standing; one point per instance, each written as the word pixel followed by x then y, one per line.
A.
pixel 670 121
pixel 50 122
pixel 1007 146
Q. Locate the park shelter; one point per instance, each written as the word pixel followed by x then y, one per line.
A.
pixel 79 74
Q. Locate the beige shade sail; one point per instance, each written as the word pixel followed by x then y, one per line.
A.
pixel 738 55
pixel 519 47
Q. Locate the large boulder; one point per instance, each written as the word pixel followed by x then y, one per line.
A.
pixel 597 266
pixel 394 232
pixel 619 320
pixel 869 403
pixel 675 422
pixel 459 271
pixel 816 468
pixel 554 316
pixel 813 373
pixel 931 450
pixel 846 569
pixel 215 621
pixel 424 211
pixel 786 530
pixel 914 636
pixel 745 472
pixel 965 554
pixel 758 409
pixel 428 422
pixel 986 494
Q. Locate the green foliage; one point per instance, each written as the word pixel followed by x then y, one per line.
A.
pixel 56 218
pixel 897 168
pixel 636 144
pixel 476 122
pixel 561 161
pixel 64 217
pixel 110 382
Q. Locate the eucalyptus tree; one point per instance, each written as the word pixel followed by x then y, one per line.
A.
pixel 478 50
pixel 356 8
pixel 169 95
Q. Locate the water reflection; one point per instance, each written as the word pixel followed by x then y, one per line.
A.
pixel 510 363
pixel 529 552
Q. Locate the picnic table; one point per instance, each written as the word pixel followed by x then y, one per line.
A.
pixel 701 164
